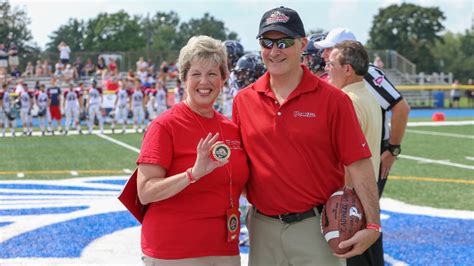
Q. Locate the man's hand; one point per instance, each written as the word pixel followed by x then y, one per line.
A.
pixel 386 162
pixel 360 242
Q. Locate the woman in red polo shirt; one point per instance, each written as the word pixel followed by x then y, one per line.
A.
pixel 192 218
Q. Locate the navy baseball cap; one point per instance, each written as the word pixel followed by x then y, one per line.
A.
pixel 284 20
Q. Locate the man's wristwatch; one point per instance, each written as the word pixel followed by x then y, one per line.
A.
pixel 395 150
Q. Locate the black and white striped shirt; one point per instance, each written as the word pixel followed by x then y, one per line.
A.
pixel 385 93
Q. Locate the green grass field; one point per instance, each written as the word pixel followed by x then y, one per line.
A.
pixel 420 183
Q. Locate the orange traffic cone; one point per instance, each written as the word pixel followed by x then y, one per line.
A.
pixel 438 116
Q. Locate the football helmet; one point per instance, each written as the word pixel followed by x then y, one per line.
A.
pixel 248 69
pixel 234 51
pixel 312 55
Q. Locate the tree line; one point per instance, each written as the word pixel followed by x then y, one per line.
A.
pixel 414 31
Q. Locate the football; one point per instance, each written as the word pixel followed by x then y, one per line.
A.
pixel 342 217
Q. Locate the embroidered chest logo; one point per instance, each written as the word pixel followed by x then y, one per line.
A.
pixel 277 17
pixel 304 114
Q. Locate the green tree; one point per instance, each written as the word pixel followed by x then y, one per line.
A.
pixel 114 32
pixel 72 33
pixel 410 30
pixel 206 25
pixel 14 28
pixel 162 30
pixel 454 53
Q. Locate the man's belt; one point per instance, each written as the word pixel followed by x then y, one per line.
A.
pixel 289 218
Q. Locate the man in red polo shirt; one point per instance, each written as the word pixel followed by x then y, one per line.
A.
pixel 299 133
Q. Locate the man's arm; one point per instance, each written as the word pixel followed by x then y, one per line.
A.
pixel 363 179
pixel 399 121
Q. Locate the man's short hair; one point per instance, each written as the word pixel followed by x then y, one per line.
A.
pixel 354 54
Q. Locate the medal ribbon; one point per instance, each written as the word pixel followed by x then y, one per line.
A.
pixel 228 166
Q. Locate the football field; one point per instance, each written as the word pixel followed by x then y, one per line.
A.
pixel 58 198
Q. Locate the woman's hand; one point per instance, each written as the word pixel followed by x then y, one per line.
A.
pixel 204 164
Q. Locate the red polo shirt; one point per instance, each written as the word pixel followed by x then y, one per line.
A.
pixel 297 150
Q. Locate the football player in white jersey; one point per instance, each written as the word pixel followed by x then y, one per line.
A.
pixel 121 107
pixel 8 114
pixel 137 105
pixel 44 115
pixel 94 104
pixel 160 98
pixel 72 100
pixel 26 100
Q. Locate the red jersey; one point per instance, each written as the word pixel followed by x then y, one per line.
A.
pixel 297 150
pixel 193 222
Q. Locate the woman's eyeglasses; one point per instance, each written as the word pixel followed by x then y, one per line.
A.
pixel 281 43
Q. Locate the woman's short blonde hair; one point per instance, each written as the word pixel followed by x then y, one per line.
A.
pixel 203 47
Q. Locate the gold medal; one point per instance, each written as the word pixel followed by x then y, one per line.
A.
pixel 220 152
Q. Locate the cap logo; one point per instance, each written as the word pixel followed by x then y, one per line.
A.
pixel 277 17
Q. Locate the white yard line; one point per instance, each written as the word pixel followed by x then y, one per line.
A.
pixel 445 123
pixel 440 134
pixel 442 162
pixel 125 145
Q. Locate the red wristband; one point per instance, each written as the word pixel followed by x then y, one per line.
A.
pixel 190 176
pixel 375 227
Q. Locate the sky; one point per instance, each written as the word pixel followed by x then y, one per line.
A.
pixel 240 16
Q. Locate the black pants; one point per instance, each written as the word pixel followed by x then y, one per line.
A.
pixel 373 256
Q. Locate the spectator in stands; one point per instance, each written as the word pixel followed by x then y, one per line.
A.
pixel 58 70
pixel 39 70
pixel 79 67
pixel 69 74
pixel 378 62
pixel 101 66
pixel 455 94
pixel 151 67
pixel 89 67
pixel 64 53
pixel 3 59
pixel 13 58
pixel 48 71
pixel 142 65
pixel 15 73
pixel 112 66
pixel 163 75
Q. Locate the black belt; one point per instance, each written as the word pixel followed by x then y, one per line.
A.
pixel 289 218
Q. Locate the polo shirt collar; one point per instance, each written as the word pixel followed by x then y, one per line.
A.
pixel 309 82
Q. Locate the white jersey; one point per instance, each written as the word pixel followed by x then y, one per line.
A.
pixel 122 98
pixel 160 98
pixel 137 99
pixel 94 96
pixel 42 100
pixel 72 99
pixel 25 99
pixel 6 101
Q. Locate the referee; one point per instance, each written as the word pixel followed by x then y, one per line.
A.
pixel 390 100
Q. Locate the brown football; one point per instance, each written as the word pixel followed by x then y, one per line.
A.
pixel 342 217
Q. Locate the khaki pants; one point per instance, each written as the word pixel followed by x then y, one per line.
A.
pixel 297 244
pixel 202 261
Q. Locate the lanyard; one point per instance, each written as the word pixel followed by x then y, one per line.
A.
pixel 228 166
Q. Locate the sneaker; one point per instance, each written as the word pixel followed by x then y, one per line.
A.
pixel 42 133
pixel 65 132
pixel 80 131
pixel 52 132
pixel 113 130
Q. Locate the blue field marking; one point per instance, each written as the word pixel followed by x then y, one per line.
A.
pixel 40 211
pixel 5 223
pixel 65 239
pixel 420 113
pixel 48 194
pixel 429 240
pixel 52 187
pixel 111 182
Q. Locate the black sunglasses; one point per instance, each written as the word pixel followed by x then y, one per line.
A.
pixel 281 43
